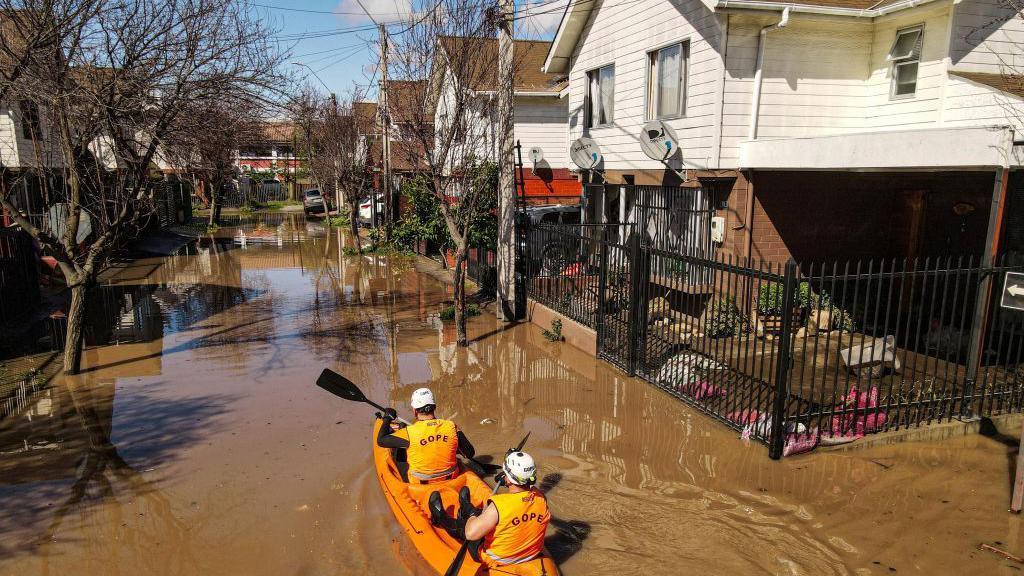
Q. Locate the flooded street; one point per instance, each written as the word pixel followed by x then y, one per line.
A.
pixel 196 442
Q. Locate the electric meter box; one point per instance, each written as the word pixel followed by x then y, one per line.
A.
pixel 718 229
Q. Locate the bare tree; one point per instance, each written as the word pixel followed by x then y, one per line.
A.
pixel 111 83
pixel 206 139
pixel 453 45
pixel 337 156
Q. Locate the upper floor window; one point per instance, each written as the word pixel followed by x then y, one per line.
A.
pixel 601 96
pixel 666 90
pixel 905 56
pixel 31 127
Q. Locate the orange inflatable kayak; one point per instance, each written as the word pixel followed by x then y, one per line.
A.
pixel 409 504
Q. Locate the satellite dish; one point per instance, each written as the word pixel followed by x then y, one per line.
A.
pixel 585 153
pixel 57 218
pixel 536 154
pixel 658 140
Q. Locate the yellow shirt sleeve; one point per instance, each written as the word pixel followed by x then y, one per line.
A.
pixel 402 433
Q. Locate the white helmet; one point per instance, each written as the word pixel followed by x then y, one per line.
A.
pixel 422 397
pixel 520 469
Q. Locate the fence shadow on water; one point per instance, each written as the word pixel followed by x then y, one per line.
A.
pixel 793 356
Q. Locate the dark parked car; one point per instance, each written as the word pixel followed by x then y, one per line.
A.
pixel 549 251
pixel 313 202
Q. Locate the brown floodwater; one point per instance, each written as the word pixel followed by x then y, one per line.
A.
pixel 195 441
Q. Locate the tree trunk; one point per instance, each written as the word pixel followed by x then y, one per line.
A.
pixel 353 217
pixel 459 275
pixel 74 338
pixel 214 203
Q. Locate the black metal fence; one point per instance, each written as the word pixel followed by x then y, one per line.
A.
pixel 482 268
pixel 19 285
pixel 793 356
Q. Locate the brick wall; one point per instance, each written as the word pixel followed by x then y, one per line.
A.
pixel 816 216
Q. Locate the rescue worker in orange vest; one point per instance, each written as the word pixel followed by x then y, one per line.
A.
pixel 512 525
pixel 429 444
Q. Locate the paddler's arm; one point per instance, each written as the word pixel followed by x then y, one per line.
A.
pixel 387 439
pixel 479 526
pixel 465 448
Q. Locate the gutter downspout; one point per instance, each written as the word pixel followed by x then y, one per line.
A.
pixel 755 100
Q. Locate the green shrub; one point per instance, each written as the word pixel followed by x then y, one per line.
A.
pixel 555 333
pixel 448 313
pixel 338 221
pixel 246 211
pixel 770 298
pixel 724 319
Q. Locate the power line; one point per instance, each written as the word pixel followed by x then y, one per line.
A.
pixel 311 11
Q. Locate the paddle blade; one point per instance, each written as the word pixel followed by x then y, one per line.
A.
pixel 340 386
pixel 456 564
pixel 523 443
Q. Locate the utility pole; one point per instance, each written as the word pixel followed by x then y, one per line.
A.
pixel 334 127
pixel 385 116
pixel 507 301
pixel 386 132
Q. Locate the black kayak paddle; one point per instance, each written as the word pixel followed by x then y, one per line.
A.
pixel 344 388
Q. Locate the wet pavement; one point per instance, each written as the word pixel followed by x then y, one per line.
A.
pixel 195 442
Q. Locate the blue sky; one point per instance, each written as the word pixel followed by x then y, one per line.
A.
pixel 338 41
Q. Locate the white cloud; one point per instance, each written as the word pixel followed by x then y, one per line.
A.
pixel 539 18
pixel 350 12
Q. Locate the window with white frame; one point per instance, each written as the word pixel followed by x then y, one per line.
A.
pixel 666 81
pixel 601 96
pixel 905 56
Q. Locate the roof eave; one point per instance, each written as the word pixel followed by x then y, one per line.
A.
pixel 569 31
pixel 810 9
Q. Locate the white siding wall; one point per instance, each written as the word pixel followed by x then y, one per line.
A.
pixel 622 34
pixel 813 79
pixel 479 137
pixel 542 122
pixel 821 76
pixel 16 151
pixel 972 104
pixel 8 137
pixel 923 110
pixel 987 36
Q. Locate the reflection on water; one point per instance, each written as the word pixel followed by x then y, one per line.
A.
pixel 195 442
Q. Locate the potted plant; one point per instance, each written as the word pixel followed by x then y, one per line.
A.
pixel 770 304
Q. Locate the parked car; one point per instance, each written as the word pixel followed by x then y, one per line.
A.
pixel 549 253
pixel 366 209
pixel 313 202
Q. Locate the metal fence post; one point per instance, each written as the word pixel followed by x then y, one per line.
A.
pixel 601 234
pixel 636 278
pixel 783 363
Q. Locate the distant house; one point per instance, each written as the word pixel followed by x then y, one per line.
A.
pixel 274 150
pixel 886 128
pixel 540 113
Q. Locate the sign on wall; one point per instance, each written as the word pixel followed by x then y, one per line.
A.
pixel 1013 291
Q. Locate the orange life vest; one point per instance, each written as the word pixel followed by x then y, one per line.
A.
pixel 522 522
pixel 432 448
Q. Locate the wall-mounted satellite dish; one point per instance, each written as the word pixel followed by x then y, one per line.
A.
pixel 536 155
pixel 585 153
pixel 658 140
pixel 57 218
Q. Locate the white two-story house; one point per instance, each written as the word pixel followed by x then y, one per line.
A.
pixel 821 129
pixel 540 114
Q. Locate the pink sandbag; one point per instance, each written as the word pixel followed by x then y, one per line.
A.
pixel 799 443
pixel 862 399
pixel 857 425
